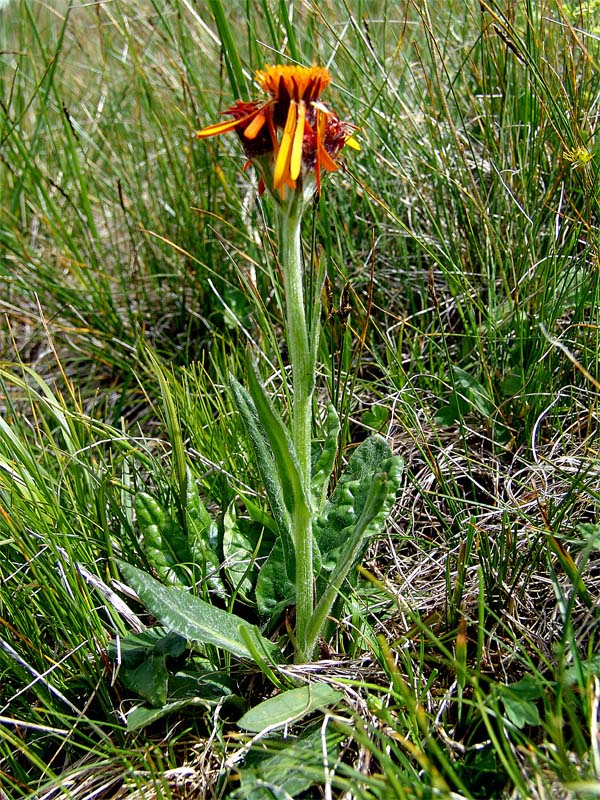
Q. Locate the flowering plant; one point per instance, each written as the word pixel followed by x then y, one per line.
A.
pixel 292 139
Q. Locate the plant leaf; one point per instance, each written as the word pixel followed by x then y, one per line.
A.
pixel 239 555
pixel 520 712
pixel 365 503
pixel 274 590
pixel 281 444
pixel 144 662
pixel 149 680
pixel 344 508
pixel 191 617
pixel 135 647
pixel 143 716
pixel 287 767
pixel 165 544
pixel 288 707
pixel 268 470
pixel 202 536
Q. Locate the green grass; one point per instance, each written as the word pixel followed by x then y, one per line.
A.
pixel 461 320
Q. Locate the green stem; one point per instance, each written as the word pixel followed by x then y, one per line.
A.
pixel 301 356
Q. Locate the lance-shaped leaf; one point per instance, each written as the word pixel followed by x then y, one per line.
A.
pixel 289 707
pixel 195 620
pixel 281 444
pixel 267 468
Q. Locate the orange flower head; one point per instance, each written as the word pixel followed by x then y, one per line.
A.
pixel 292 136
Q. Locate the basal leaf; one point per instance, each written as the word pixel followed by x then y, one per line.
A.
pixel 274 590
pixel 191 617
pixel 143 716
pixel 148 680
pixel 132 649
pixel 287 767
pixel 365 504
pixel 165 544
pixel 288 707
pixel 188 688
pixel 202 536
pixel 521 712
pixel 239 555
pixel 144 662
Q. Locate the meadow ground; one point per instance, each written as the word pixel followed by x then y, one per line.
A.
pixel 460 321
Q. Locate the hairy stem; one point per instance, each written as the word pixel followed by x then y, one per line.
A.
pixel 303 380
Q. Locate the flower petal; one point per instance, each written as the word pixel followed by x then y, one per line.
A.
pixel 254 128
pixel 296 156
pixel 218 128
pixel 326 161
pixel 282 165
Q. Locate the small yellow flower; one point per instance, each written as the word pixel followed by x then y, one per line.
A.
pixel 578 156
pixel 292 135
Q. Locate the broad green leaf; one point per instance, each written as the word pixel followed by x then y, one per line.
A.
pixel 286 767
pixel 143 716
pixel 274 590
pixel 144 662
pixel 518 699
pixel 345 507
pixel 148 680
pixel 469 395
pixel 197 515
pixel 528 688
pixel 165 544
pixel 376 417
pixel 186 688
pixel 288 707
pixel 267 468
pixel 191 617
pixel 323 466
pixel 208 684
pixel 134 648
pixel 520 712
pixel 372 498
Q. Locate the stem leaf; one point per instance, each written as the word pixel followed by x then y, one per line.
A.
pixel 281 444
pixel 268 470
